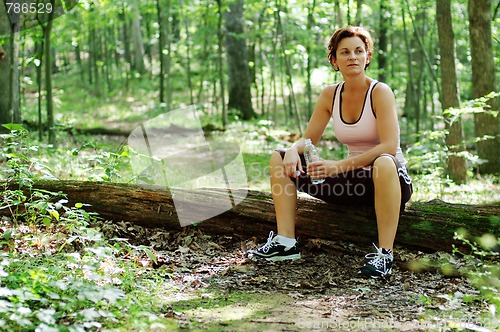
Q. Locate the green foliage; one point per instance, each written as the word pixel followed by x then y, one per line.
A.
pixel 108 165
pixel 483 266
pixel 22 163
pixel 58 272
pixel 478 105
pixel 27 160
pixel 429 155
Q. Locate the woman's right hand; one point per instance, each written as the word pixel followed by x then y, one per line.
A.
pixel 292 163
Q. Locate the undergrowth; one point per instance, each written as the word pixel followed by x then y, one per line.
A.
pixel 59 272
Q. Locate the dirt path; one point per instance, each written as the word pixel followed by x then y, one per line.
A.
pixel 211 286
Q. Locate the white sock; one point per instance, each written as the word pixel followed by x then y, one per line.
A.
pixel 286 241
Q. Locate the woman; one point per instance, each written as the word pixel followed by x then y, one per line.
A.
pixel 365 119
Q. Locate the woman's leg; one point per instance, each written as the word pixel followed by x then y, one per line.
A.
pixel 387 199
pixel 284 194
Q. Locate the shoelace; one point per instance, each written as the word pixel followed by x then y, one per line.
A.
pixel 378 259
pixel 269 244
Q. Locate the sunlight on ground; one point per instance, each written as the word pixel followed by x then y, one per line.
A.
pixel 231 312
pixel 476 191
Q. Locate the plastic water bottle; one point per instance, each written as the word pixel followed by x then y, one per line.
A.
pixel 311 154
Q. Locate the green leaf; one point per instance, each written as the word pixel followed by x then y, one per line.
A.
pixel 54 214
pixel 7 234
pixel 150 254
pixel 79 205
pixel 47 222
pixel 13 126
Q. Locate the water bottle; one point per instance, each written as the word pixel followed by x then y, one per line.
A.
pixel 311 154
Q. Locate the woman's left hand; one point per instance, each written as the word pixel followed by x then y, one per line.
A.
pixel 323 168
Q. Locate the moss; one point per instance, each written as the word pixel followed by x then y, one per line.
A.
pixel 442 209
pixel 423 226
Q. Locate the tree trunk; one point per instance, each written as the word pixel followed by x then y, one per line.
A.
pixel 483 82
pixel 426 226
pixel 138 63
pixel 168 58
pixel 161 45
pixel 189 78
pixel 108 57
pixel 14 107
pixel 240 97
pixel 457 168
pixel 294 108
pixel 78 58
pixel 410 94
pixel 337 17
pixel 94 56
pixel 383 41
pixel 5 32
pixel 359 12
pixel 90 51
pixel 310 25
pixel 39 56
pixel 273 84
pixel 125 35
pixel 220 64
pixel 48 79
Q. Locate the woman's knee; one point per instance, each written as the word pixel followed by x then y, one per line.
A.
pixel 276 165
pixel 384 165
pixel 276 159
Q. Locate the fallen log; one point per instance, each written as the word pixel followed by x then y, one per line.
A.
pixel 425 226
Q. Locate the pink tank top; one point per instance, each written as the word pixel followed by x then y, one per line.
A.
pixel 362 135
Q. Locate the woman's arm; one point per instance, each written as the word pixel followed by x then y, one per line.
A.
pixel 384 106
pixel 315 128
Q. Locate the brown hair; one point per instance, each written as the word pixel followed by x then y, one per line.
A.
pixel 349 31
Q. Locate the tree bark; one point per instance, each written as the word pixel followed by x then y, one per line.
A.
pixel 483 82
pixel 4 69
pixel 240 97
pixel 427 226
pixel 310 25
pixel 9 83
pixel 14 102
pixel 457 168
pixel 47 29
pixel 383 41
pixel 161 45
pixel 138 63
pixel 359 12
pixel 39 50
pixel 220 65
pixel 187 22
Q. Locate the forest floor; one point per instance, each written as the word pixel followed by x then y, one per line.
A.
pixel 203 282
pixel 209 285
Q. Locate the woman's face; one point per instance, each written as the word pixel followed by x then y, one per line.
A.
pixel 351 55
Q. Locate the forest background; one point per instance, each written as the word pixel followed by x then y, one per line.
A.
pixel 243 60
pixel 74 83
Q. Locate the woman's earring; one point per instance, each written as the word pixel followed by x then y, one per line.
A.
pixel 336 68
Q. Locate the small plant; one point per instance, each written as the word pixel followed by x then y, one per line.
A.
pixel 103 165
pixel 483 266
pixel 22 164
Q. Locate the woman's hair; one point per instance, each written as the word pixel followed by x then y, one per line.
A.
pixel 349 31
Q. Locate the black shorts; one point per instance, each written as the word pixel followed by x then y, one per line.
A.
pixel 352 187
